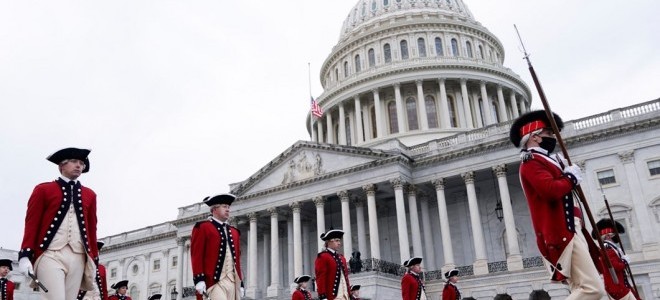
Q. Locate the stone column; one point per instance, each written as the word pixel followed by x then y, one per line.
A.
pixel 319 128
pixel 501 104
pixel 290 245
pixel 514 104
pixel 305 248
pixel 414 222
pixel 514 260
pixel 274 289
pixel 180 242
pixel 251 290
pixel 400 112
pixel 379 115
pixel 329 128
pixel 466 104
pixel 486 105
pixel 361 233
pixel 481 262
pixel 650 247
pixel 429 246
pixel 358 120
pixel 342 125
pixel 423 119
pixel 402 224
pixel 374 240
pixel 445 122
pixel 297 239
pixel 265 271
pixel 313 130
pixel 346 222
pixel 320 220
pixel 447 248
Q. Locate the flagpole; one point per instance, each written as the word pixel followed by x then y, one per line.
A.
pixel 311 116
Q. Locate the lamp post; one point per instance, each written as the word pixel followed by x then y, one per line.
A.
pixel 174 293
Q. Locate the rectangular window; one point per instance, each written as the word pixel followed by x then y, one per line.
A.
pixel 157 265
pixel 625 238
pixel 606 177
pixel 174 261
pixel 113 272
pixel 654 167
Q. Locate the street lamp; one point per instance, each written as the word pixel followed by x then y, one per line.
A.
pixel 174 293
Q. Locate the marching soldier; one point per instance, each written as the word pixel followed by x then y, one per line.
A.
pixel 215 251
pixel 450 291
pixel 301 292
pixel 331 270
pixel 412 287
pixel 101 279
pixel 6 285
pixel 60 230
pixel 355 292
pixel 547 183
pixel 622 290
pixel 120 291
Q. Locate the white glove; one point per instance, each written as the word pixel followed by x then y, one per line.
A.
pixel 25 266
pixel 626 258
pixel 575 171
pixel 242 292
pixel 200 287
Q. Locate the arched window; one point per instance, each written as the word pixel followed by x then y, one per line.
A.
pixel 438 47
pixel 421 47
pixel 431 111
pixel 451 106
pixel 394 121
pixel 481 52
pixel 387 52
pixel 336 74
pixel 346 69
pixel 386 2
pixel 372 114
pixel 454 47
pixel 357 63
pixel 348 131
pixel 134 292
pixel 468 49
pixel 404 49
pixel 335 132
pixel 411 111
pixel 373 5
pixel 481 111
pixel 494 111
pixel 372 57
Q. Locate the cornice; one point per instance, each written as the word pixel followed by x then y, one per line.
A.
pixel 140 241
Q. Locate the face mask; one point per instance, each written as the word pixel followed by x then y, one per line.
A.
pixel 548 144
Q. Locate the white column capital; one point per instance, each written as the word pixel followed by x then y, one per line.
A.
pixel 468 177
pixel 274 212
pixel 319 201
pixel 500 170
pixel 370 189
pixel 438 183
pixel 398 183
pixel 344 196
pixel 253 216
pixel 295 207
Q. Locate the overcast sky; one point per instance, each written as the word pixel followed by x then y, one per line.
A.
pixel 177 99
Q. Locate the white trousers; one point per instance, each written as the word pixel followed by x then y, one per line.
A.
pixel 61 271
pixel 585 282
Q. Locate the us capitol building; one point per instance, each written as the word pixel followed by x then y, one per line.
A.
pixel 412 157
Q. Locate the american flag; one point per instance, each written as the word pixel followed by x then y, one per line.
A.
pixel 316 109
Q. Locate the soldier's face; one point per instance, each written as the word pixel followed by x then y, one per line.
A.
pixel 122 290
pixel 416 268
pixel 72 168
pixel 334 244
pixel 221 212
pixel 4 270
pixel 303 285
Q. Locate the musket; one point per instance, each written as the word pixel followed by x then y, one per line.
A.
pixel 41 285
pixel 560 141
pixel 618 237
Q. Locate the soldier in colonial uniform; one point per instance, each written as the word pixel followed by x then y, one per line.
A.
pixel 155 297
pixel 60 230
pixel 355 292
pixel 301 292
pixel 215 251
pixel 101 280
pixel 331 270
pixel 120 291
pixel 6 286
pixel 450 291
pixel 622 290
pixel 548 183
pixel 412 286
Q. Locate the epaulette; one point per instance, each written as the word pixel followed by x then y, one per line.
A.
pixel 198 224
pixel 526 155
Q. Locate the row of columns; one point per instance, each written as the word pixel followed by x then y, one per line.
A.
pixel 358 135
pixel 419 248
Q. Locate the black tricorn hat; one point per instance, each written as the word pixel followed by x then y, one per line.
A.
pixel 6 263
pixel 155 297
pixel 606 226
pixel 450 273
pixel 355 287
pixel 529 122
pixel 332 234
pixel 302 278
pixel 120 284
pixel 220 199
pixel 71 153
pixel 412 261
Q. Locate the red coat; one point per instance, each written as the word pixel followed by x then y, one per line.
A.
pixel 616 291
pixel 205 249
pixel 7 290
pixel 411 287
pixel 40 220
pixel 548 193
pixel 450 292
pixel 301 295
pixel 118 297
pixel 326 269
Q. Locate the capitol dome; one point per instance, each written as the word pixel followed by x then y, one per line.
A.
pixel 414 70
